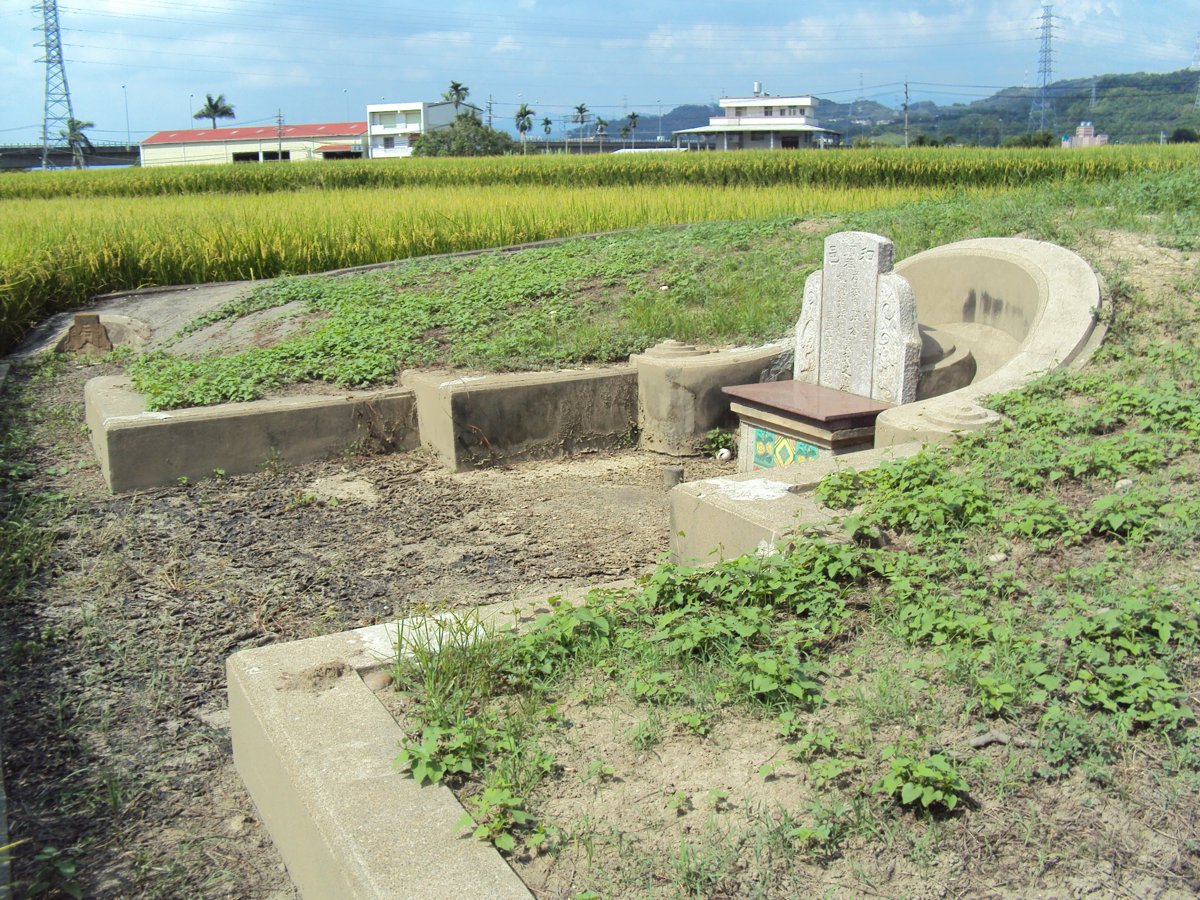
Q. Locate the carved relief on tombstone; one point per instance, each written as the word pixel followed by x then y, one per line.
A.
pixel 87 335
pixel 858 328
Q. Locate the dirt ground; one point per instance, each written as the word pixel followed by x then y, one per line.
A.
pixel 116 724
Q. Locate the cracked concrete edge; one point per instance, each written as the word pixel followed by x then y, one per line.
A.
pixel 316 749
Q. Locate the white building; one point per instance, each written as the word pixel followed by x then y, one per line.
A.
pixel 258 143
pixel 761 122
pixel 395 128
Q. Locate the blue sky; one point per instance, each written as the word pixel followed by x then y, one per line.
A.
pixel 319 61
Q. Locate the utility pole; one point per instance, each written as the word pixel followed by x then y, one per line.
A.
pixel 279 133
pixel 906 115
pixel 128 134
pixel 1196 68
pixel 489 110
pixel 58 113
pixel 1042 102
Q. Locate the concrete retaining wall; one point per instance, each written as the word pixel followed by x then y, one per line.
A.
pixel 473 422
pixel 679 390
pixel 139 449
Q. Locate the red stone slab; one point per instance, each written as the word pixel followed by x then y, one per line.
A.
pixel 836 409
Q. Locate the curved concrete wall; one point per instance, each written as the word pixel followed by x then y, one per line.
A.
pixel 1024 307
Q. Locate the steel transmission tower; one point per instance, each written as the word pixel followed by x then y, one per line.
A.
pixel 1042 102
pixel 58 115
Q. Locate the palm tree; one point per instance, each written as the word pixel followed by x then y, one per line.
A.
pixel 79 142
pixel 580 116
pixel 456 94
pixel 624 134
pixel 524 121
pixel 633 120
pixel 601 130
pixel 547 124
pixel 214 108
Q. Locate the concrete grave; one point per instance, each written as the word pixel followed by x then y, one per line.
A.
pixel 995 314
pixel 858 351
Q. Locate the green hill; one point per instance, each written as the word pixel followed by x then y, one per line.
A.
pixel 1132 108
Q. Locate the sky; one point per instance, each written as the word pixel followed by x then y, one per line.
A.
pixel 135 67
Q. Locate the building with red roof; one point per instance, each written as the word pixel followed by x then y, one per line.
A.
pixel 255 143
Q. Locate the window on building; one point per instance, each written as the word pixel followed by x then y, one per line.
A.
pixel 389 143
pixel 739 111
pixel 768 111
pixel 385 119
pixel 757 135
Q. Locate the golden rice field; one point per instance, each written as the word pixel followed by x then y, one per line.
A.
pixel 886 167
pixel 66 236
pixel 54 254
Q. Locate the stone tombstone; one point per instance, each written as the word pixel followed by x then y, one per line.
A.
pixel 858 329
pixel 87 335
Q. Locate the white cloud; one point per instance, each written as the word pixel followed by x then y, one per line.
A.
pixel 438 40
pixel 507 45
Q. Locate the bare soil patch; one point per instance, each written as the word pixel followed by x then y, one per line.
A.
pixel 114 715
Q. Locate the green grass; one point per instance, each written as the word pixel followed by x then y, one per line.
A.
pixel 599 300
pixel 593 300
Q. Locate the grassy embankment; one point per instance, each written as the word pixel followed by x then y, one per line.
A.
pixel 988 681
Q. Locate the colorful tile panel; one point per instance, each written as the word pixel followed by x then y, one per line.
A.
pixel 771 449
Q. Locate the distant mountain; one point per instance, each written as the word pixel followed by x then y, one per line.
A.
pixel 1133 108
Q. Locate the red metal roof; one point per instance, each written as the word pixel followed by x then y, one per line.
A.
pixel 327 130
pixel 333 148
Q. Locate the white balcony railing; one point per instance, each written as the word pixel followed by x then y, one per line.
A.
pixel 763 120
pixel 398 128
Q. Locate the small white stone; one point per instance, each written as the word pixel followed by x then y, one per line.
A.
pixel 997 558
pixel 724 454
pixel 377 679
pixel 1124 484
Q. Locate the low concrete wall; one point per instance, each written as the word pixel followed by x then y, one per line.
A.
pixel 723 518
pixel 139 449
pixel 474 422
pixel 1042 298
pixel 679 390
pixel 317 752
pixel 316 749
